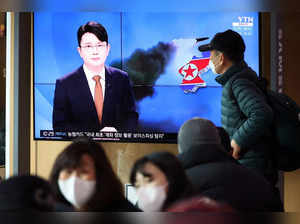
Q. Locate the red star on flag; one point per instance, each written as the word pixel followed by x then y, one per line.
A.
pixel 189 72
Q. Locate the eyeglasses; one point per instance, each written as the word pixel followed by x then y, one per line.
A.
pixel 90 47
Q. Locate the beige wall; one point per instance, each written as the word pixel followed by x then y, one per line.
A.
pixel 291 191
pixel 2 172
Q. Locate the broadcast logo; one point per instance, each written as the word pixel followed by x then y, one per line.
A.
pixel 244 25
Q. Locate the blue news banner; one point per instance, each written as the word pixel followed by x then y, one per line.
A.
pixel 155 137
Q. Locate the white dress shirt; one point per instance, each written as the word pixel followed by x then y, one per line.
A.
pixel 89 76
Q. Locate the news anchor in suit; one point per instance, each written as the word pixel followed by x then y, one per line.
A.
pixel 94 96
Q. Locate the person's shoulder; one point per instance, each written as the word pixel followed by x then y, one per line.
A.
pixel 72 75
pixel 247 73
pixel 116 72
pixel 246 79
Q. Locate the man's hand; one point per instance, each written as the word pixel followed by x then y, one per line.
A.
pixel 236 150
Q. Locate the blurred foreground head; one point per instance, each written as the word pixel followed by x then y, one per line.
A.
pixel 82 176
pixel 160 180
pixel 201 209
pixel 26 193
pixel 200 204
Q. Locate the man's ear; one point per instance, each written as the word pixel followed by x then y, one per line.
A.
pixel 79 51
pixel 108 48
pixel 222 58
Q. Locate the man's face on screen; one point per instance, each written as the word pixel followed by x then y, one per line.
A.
pixel 93 51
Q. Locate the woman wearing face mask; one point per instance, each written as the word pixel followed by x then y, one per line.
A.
pixel 82 176
pixel 159 180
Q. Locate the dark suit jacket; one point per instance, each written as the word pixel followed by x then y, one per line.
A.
pixel 74 108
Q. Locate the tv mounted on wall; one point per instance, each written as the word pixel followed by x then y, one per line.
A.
pixel 170 78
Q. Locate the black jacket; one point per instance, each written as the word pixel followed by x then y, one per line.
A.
pixel 247 118
pixel 217 175
pixel 246 115
pixel 121 206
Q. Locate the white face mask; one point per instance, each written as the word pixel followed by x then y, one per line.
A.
pixel 76 190
pixel 212 67
pixel 151 198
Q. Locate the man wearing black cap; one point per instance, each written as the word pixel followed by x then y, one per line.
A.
pixel 245 113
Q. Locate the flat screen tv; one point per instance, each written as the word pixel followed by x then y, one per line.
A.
pixel 170 78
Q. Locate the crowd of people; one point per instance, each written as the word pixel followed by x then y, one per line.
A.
pixel 202 177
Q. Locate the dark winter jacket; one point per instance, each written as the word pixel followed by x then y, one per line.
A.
pixel 217 175
pixel 247 117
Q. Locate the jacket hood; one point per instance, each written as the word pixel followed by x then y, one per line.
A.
pixel 204 153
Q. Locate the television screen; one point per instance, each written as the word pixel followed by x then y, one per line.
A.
pixel 169 78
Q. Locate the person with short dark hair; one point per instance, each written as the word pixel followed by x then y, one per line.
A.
pixel 159 180
pixel 82 176
pixel 245 113
pixel 94 96
pixel 215 174
pixel 26 193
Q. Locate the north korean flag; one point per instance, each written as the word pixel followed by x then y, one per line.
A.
pixel 193 69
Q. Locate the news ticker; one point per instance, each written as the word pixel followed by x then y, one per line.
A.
pixel 111 136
